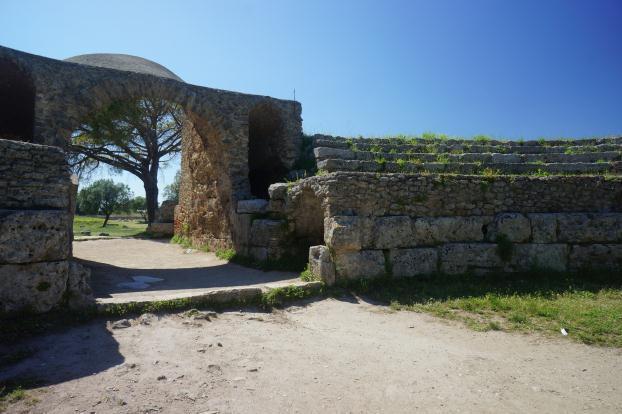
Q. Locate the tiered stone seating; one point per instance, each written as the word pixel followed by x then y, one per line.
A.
pixel 394 155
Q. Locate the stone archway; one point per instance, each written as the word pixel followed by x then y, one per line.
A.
pixel 17 102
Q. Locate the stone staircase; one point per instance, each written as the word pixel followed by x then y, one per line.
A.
pixel 400 155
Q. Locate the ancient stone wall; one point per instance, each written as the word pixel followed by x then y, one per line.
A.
pixel 36 270
pixel 407 225
pixel 221 127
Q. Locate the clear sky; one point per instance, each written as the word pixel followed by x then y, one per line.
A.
pixel 509 69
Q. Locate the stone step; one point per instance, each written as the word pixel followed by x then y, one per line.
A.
pixel 322 153
pixel 341 142
pixel 470 148
pixel 333 165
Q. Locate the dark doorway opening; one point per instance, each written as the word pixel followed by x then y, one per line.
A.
pixel 17 103
pixel 265 130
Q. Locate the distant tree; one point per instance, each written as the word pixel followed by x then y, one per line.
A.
pixel 104 197
pixel 171 191
pixel 139 205
pixel 133 136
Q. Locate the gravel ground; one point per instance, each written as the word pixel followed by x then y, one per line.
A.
pixel 334 355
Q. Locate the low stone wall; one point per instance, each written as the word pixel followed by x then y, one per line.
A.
pixel 36 271
pixel 433 195
pixel 403 246
pixel 402 225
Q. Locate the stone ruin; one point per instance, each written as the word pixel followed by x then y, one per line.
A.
pixel 252 182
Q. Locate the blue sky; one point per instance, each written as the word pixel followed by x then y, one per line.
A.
pixel 514 69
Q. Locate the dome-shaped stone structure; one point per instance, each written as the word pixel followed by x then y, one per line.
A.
pixel 124 62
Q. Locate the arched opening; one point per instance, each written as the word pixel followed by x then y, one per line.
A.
pixel 17 103
pixel 265 140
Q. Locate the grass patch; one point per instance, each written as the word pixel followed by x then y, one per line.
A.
pixel 117 228
pixel 588 306
pixel 14 390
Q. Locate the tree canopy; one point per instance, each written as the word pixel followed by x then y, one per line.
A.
pixel 134 136
pixel 171 191
pixel 104 197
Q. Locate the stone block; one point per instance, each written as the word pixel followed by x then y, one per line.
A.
pixel 160 229
pixel 429 231
pixel 595 257
pixel 348 232
pixel 266 232
pixel 28 236
pixel 79 293
pixel 413 262
pixel 393 231
pixel 166 212
pixel 515 226
pixel 34 287
pixel 278 191
pixel 359 264
pixel 321 264
pixel 258 253
pixel 456 258
pixel 255 206
pixel 322 153
pixel 543 227
pixel 539 256
pixel 590 228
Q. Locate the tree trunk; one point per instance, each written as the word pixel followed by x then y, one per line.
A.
pixel 106 220
pixel 151 194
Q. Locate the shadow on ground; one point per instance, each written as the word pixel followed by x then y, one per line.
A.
pixel 59 357
pixel 105 278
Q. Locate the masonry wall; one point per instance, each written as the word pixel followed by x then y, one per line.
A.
pixel 411 225
pixel 36 271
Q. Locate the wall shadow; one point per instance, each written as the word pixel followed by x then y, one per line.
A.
pixel 105 278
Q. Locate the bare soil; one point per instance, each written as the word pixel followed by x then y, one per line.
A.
pixel 335 355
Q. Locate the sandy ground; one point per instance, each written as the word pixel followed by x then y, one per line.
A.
pixel 185 272
pixel 333 355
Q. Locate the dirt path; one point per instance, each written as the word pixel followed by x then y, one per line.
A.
pixel 183 272
pixel 329 356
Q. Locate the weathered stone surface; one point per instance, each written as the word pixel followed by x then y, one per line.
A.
pixel 596 257
pixel 33 176
pixel 516 227
pixel 348 232
pixel 34 287
pixel 321 264
pixel 258 253
pixel 459 258
pixel 79 294
pixel 28 236
pixel 368 194
pixel 543 227
pixel 254 206
pixel 278 191
pixel 539 256
pixel 322 153
pixel 391 232
pixel 413 262
pixel 160 229
pixel 590 228
pixel 264 232
pixel 431 231
pixel 166 212
pixel 359 264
